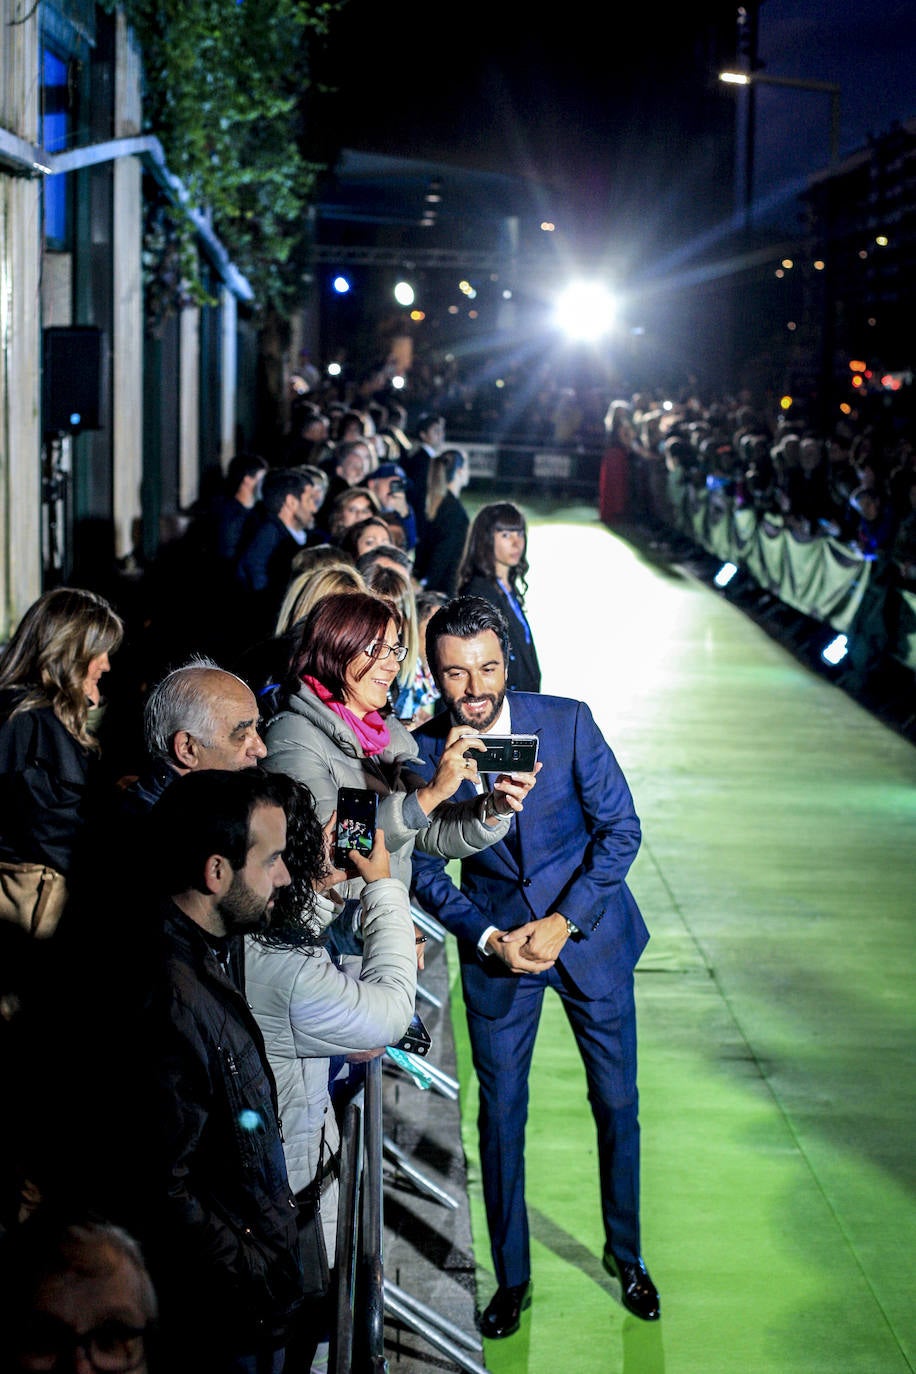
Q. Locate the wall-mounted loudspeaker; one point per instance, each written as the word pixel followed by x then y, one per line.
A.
pixel 72 379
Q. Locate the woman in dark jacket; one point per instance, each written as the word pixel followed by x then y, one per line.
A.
pixel 495 567
pixel 445 527
pixel 49 689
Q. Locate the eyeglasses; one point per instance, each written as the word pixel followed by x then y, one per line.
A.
pixel 112 1348
pixel 379 649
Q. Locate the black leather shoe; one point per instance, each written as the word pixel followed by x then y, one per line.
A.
pixel 502 1316
pixel 637 1291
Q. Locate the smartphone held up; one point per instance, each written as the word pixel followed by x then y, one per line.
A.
pixel 505 754
pixel 357 809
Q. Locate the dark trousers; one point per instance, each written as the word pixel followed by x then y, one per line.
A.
pixel 605 1032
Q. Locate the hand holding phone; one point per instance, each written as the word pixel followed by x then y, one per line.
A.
pixel 374 865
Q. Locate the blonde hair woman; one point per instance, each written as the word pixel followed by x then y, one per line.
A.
pixel 266 665
pixel 49 685
pixel 445 527
pixel 309 587
pixel 396 586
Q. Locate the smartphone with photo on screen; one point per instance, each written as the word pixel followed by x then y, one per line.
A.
pixel 357 809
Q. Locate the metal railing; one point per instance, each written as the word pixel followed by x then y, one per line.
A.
pixel 362 1296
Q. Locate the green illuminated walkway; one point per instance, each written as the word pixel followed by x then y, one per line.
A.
pixel 776 998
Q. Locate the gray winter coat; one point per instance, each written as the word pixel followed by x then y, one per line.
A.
pixel 310 743
pixel 309 1008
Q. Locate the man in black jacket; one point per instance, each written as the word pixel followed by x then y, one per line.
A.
pixel 290 498
pixel 220 1233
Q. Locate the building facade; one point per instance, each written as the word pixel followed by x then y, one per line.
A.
pixel 111 412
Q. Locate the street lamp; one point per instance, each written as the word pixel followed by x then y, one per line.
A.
pixel 799 83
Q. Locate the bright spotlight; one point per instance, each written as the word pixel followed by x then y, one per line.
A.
pixel 585 311
pixel 341 285
pixel 398 383
pixel 725 574
pixel 836 650
pixel 404 293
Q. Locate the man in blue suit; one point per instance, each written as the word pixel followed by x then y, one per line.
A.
pixel 548 906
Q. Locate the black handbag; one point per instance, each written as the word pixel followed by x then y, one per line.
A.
pixel 312 1249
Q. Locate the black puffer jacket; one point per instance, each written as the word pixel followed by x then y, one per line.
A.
pixel 221 1234
pixel 523 672
pixel 46 779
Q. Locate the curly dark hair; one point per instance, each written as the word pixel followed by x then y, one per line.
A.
pixel 293 923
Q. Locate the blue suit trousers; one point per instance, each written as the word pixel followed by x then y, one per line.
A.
pixel 502 1049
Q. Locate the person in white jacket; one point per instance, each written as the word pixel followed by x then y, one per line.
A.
pixel 312 1008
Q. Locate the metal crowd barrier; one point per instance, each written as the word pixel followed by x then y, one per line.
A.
pixel 363 1296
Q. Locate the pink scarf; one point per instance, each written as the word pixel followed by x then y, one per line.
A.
pixel 372 732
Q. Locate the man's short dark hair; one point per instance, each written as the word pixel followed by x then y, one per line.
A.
pixel 427 420
pixel 205 813
pixel 464 617
pixel 241 466
pixel 316 476
pixel 279 483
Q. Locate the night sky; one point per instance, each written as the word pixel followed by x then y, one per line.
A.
pixel 609 121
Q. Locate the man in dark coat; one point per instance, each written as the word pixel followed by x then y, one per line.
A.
pixel 290 498
pixel 220 1232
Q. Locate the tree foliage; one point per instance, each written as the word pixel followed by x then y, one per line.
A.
pixel 225 82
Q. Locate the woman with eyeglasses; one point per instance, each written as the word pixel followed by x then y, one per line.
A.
pixel 335 728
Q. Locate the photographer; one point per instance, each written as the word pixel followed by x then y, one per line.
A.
pixel 389 485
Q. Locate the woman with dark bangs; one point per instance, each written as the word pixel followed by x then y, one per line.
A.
pixel 495 567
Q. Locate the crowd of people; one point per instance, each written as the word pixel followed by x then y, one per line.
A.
pixel 855 483
pixel 192 977
pixel 185 964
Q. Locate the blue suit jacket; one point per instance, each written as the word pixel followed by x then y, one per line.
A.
pixel 570 851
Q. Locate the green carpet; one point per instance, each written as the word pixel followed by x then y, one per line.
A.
pixel 776 998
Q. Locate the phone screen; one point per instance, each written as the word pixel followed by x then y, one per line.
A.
pixel 356 813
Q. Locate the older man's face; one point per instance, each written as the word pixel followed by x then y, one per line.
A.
pixel 235 742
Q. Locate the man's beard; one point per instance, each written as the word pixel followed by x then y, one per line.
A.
pixel 479 722
pixel 242 909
